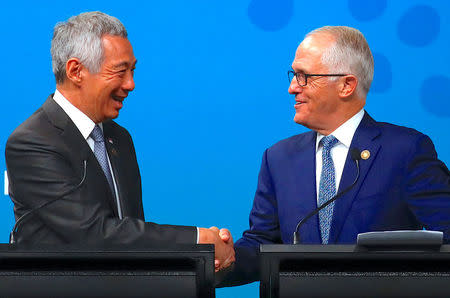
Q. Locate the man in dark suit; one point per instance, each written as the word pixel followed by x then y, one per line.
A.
pixel 74 177
pixel 402 185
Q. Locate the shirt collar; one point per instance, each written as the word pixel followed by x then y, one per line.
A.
pixel 84 124
pixel 345 132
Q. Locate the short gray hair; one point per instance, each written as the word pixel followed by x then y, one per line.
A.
pixel 81 37
pixel 349 54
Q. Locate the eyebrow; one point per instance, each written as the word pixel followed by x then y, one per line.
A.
pixel 299 70
pixel 125 63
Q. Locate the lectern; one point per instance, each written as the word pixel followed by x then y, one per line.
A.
pixel 182 271
pixel 352 271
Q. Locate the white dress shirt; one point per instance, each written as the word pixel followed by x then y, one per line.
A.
pixel 344 134
pixel 85 125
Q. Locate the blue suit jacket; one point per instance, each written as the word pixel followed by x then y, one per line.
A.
pixel 402 185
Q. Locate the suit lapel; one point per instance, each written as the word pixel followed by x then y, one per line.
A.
pixel 365 138
pixel 306 165
pixel 76 142
pixel 71 135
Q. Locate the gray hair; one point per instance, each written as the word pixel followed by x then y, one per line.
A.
pixel 349 54
pixel 81 37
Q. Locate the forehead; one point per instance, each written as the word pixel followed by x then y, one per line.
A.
pixel 117 50
pixel 309 53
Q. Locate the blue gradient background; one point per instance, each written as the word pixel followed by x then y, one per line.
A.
pixel 211 89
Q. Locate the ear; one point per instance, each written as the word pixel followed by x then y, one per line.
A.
pixel 74 70
pixel 348 86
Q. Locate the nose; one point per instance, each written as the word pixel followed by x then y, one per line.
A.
pixel 128 83
pixel 294 87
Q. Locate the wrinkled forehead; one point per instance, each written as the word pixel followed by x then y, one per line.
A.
pixel 118 50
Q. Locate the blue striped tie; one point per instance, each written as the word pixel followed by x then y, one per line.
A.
pixel 327 187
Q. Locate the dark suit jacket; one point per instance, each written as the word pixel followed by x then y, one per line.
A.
pixel 45 159
pixel 401 186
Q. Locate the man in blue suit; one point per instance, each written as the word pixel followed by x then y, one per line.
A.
pixel 402 184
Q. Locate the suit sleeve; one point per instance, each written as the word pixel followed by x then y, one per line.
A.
pixel 40 174
pixel 264 223
pixel 428 187
pixel 264 229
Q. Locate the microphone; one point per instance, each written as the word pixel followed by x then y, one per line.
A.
pixel 355 154
pixel 12 238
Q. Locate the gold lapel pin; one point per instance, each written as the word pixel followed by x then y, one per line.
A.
pixel 365 154
pixel 114 152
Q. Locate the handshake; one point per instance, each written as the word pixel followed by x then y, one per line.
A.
pixel 223 245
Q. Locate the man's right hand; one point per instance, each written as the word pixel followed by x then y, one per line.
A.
pixel 223 243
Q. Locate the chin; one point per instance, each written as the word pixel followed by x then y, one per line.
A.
pixel 299 119
pixel 112 115
pixel 304 122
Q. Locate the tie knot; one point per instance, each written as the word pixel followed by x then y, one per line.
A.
pixel 328 142
pixel 97 134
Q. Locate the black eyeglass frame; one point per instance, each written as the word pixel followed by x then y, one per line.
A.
pixel 295 74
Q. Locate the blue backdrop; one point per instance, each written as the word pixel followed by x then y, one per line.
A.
pixel 211 89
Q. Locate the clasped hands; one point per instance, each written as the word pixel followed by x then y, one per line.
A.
pixel 223 244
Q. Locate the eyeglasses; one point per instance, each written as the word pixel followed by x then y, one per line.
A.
pixel 302 78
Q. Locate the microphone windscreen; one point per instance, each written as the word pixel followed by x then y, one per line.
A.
pixel 355 153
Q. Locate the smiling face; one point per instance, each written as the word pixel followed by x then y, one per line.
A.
pixel 318 103
pixel 103 93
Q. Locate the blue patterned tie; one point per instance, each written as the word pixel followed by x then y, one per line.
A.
pixel 327 187
pixel 100 153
